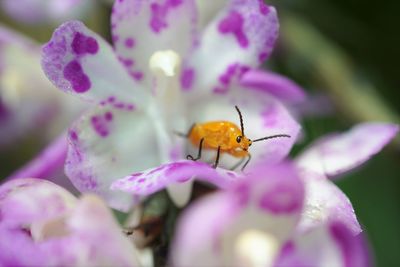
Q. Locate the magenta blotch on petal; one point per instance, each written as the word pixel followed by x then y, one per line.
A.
pixel 233 23
pixel 73 72
pixel 82 44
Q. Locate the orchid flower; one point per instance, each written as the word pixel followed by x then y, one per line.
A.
pixel 324 201
pixel 28 101
pixel 330 157
pixel 254 223
pixel 42 224
pixel 173 63
pixel 40 11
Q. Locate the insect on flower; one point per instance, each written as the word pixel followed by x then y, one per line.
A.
pixel 225 137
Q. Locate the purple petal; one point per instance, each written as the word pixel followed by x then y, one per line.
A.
pixel 269 200
pixel 274 84
pixel 331 242
pixel 241 36
pixel 140 28
pixel 22 201
pixel 152 180
pixel 79 61
pixel 337 154
pixel 324 202
pixel 56 229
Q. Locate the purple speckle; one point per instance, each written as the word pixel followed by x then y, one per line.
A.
pixel 73 72
pixel 137 75
pixel 129 42
pixel 187 79
pixel 141 180
pixel 100 124
pixel 111 99
pixel 281 199
pixel 108 116
pixel 73 135
pixel 264 9
pixel 233 23
pixel 159 13
pixel 84 45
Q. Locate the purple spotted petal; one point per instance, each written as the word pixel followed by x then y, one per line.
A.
pixel 241 36
pixel 262 116
pixel 324 201
pixel 28 100
pixel 80 62
pixel 331 243
pixel 150 181
pixel 107 143
pixel 339 153
pixel 40 11
pixel 140 28
pixel 268 200
pixel 274 84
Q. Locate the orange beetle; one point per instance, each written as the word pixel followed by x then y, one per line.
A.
pixel 225 137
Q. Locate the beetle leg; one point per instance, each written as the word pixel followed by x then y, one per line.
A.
pixel 238 164
pixel 247 162
pixel 217 158
pixel 186 135
pixel 198 153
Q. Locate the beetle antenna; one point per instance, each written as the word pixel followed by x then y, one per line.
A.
pixel 241 120
pixel 271 137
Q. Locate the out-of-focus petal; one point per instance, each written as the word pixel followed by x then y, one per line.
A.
pixel 242 35
pixel 40 11
pixel 50 224
pixel 140 28
pixel 336 154
pixel 104 244
pixel 28 100
pixel 324 201
pixel 277 85
pixel 265 205
pixel 80 62
pixel 329 244
pixel 150 181
pixel 107 143
pixel 262 116
pixel 22 201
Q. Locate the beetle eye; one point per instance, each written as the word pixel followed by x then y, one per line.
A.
pixel 238 139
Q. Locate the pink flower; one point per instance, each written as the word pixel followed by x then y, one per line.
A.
pixel 42 224
pixel 173 64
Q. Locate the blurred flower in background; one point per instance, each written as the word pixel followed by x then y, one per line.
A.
pixel 45 11
pixel 42 224
pixel 28 101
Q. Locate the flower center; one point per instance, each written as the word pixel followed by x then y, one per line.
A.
pixel 49 229
pixel 166 63
pixel 255 248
